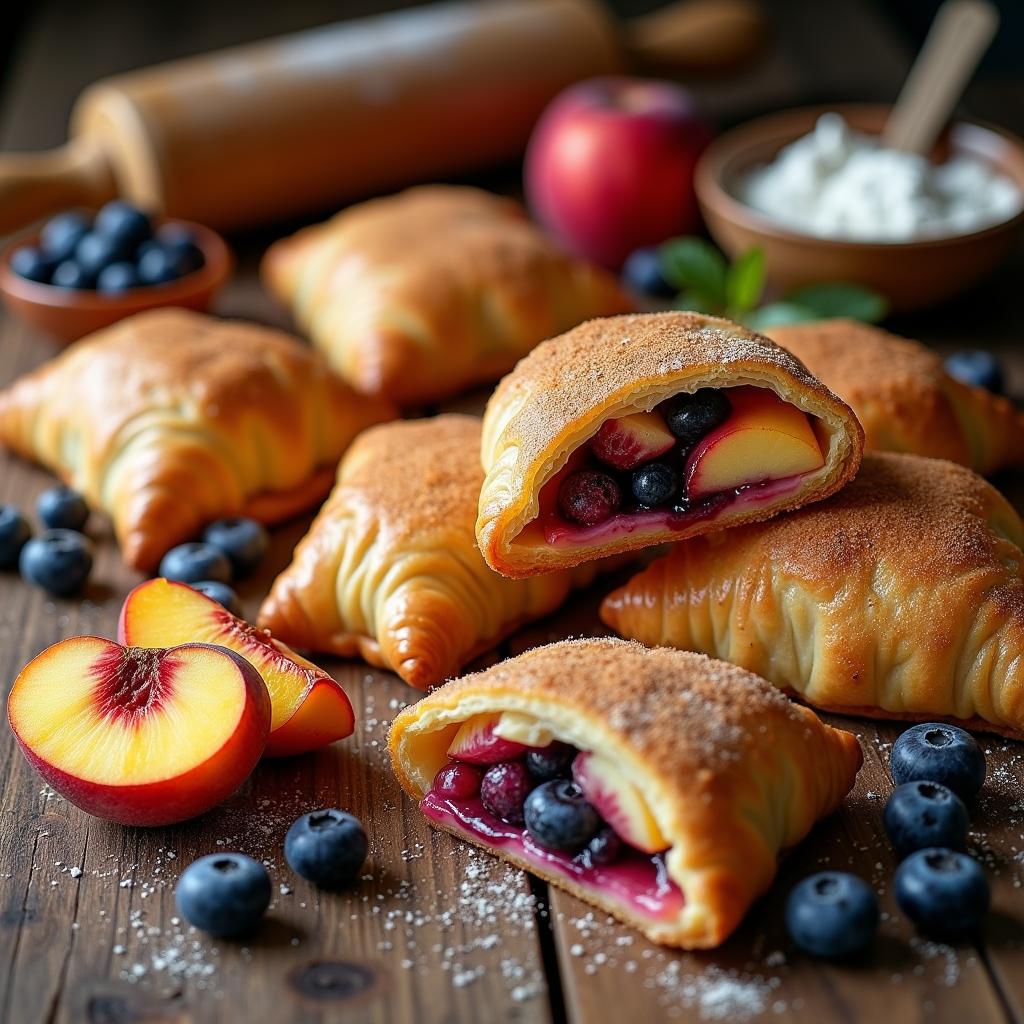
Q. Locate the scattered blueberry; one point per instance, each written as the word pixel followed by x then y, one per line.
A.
pixel 70 274
pixel 96 251
pixel 945 893
pixel 604 848
pixel 458 780
pixel 327 848
pixel 224 894
pixel 643 273
pixel 221 593
pixel 559 817
pixel 978 367
pixel 654 484
pixel 691 416
pixel 117 277
pixel 14 534
pixel 62 508
pixel 59 561
pixel 589 497
pixel 832 914
pixel 504 789
pixel 196 563
pixel 61 234
pixel 925 814
pixel 551 762
pixel 244 541
pixel 31 263
pixel 124 224
pixel 935 752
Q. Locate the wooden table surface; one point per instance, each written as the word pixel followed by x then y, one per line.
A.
pixel 435 931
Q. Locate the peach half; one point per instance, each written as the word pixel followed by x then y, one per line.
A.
pixel 309 709
pixel 137 736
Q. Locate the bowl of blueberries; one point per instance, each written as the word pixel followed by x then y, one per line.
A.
pixel 84 271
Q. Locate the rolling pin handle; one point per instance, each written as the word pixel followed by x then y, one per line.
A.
pixel 33 185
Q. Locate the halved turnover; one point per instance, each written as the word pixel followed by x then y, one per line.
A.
pixel 900 597
pixel 637 430
pixel 657 785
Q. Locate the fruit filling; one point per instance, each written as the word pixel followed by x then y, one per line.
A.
pixel 559 809
pixel 690 458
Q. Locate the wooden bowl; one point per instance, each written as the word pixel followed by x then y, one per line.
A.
pixel 71 313
pixel 912 275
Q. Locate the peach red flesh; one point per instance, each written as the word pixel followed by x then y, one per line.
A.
pixel 132 682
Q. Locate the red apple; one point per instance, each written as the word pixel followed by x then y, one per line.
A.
pixel 139 736
pixel 609 167
pixel 310 709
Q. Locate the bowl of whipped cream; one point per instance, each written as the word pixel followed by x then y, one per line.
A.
pixel 817 190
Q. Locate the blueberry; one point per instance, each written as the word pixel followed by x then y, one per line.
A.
pixel 935 752
pixel 117 277
pixel 589 497
pixel 945 893
pixel 62 508
pixel 182 241
pixel 32 264
pixel 224 894
pixel 221 593
pixel 654 484
pixel 59 561
pixel 690 417
pixel 124 224
pixel 642 273
pixel 158 265
pixel 62 233
pixel 604 848
pixel 832 914
pixel 14 534
pixel 327 848
pixel 504 789
pixel 924 814
pixel 244 541
pixel 551 762
pixel 978 367
pixel 458 780
pixel 559 817
pixel 95 251
pixel 70 274
pixel 196 563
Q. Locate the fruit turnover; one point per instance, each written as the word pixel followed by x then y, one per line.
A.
pixel 140 736
pixel 309 708
pixel 637 430
pixel 658 785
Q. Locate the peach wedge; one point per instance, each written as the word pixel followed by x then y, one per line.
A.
pixel 140 737
pixel 310 709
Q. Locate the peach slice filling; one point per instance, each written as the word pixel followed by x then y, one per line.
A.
pixel 635 475
pixel 635 875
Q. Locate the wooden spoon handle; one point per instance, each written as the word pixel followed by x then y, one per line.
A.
pixel 956 42
pixel 694 35
pixel 35 184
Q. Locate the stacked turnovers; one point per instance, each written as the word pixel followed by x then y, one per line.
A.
pixel 658 785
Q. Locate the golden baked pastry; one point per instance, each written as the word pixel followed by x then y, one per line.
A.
pixel 424 294
pixel 719 426
pixel 903 397
pixel 702 771
pixel 900 597
pixel 390 568
pixel 171 419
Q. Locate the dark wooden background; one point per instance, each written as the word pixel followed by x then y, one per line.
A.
pixel 436 932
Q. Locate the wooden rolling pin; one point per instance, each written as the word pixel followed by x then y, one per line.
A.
pixel 302 122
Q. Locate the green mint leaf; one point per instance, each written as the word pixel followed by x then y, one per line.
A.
pixel 852 300
pixel 745 281
pixel 696 265
pixel 774 314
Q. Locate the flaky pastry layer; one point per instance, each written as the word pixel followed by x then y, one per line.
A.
pixel 731 770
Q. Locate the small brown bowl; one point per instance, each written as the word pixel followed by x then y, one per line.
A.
pixel 71 313
pixel 912 275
